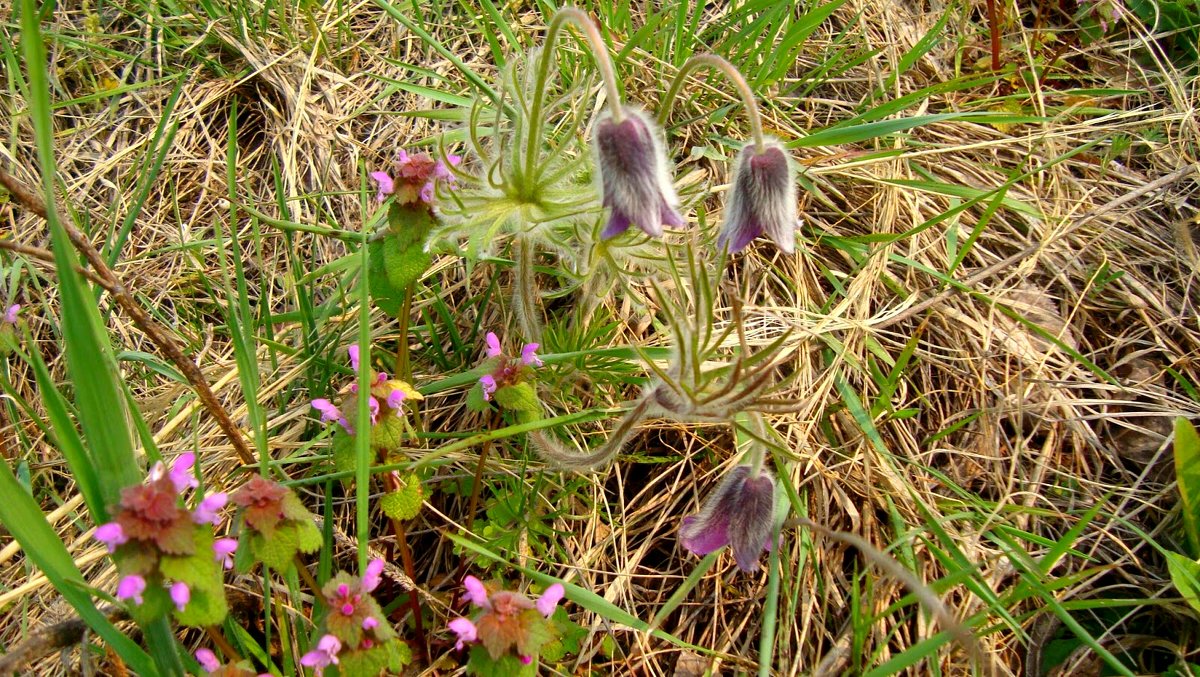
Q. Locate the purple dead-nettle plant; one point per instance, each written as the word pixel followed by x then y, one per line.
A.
pixel 762 196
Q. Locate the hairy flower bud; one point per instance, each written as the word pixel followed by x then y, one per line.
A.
pixel 633 175
pixel 740 513
pixel 762 200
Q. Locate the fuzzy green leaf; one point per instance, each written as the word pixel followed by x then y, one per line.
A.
pixel 404 265
pixel 206 607
pixel 277 552
pixel 388 433
pixel 386 296
pixel 475 401
pixel 308 536
pixel 481 663
pixel 405 503
pixel 522 399
pixel 343 451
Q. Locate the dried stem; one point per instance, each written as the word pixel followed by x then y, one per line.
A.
pixel 106 278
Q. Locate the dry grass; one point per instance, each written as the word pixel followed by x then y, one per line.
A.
pixel 1013 433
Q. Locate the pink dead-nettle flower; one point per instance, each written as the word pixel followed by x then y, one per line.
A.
pixel 223 550
pixel 131 587
pixel 10 315
pixel 181 594
pixel 111 535
pixel 489 386
pixel 384 392
pixel 465 630
pixel 507 370
pixel 181 472
pixel 504 616
pixel 415 177
pixel 369 623
pixel 207 660
pixel 371 577
pixel 740 513
pixel 206 512
pixel 324 655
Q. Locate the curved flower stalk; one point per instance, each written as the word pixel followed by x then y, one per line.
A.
pixel 690 388
pixel 167 555
pixel 506 625
pixel 762 197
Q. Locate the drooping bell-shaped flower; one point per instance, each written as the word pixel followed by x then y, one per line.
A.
pixel 636 185
pixel 740 513
pixel 762 199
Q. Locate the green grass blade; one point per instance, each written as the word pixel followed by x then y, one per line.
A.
pixel 22 516
pixel 1187 474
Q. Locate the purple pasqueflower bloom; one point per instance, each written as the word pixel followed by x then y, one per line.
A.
pixel 636 186
pixel 371 577
pixel 181 474
pixel 466 631
pixel 762 200
pixel 476 592
pixel 131 587
pixel 529 355
pixel 181 594
pixel 550 599
pixel 111 535
pixel 489 386
pixel 385 184
pixel 206 512
pixel 740 513
pixel 10 315
pixel 324 655
pixel 223 550
pixel 207 660
pixel 493 345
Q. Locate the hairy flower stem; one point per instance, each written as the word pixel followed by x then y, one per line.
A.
pixel 603 63
pixel 735 77
pixel 554 452
pixel 525 291
pixel 758 450
pixel 403 369
pixel 414 602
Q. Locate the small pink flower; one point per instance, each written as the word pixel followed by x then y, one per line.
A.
pixel 373 405
pixel 207 660
pixel 181 474
pixel 529 355
pixel 385 184
pixel 369 622
pixel 131 587
pixel 395 401
pixel 526 660
pixel 465 630
pixel 10 315
pixel 206 512
pixel 223 550
pixel 330 412
pixel 324 655
pixel 111 535
pixel 489 386
pixel 493 345
pixel 370 578
pixel 476 592
pixel 549 599
pixel 353 352
pixel 180 595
